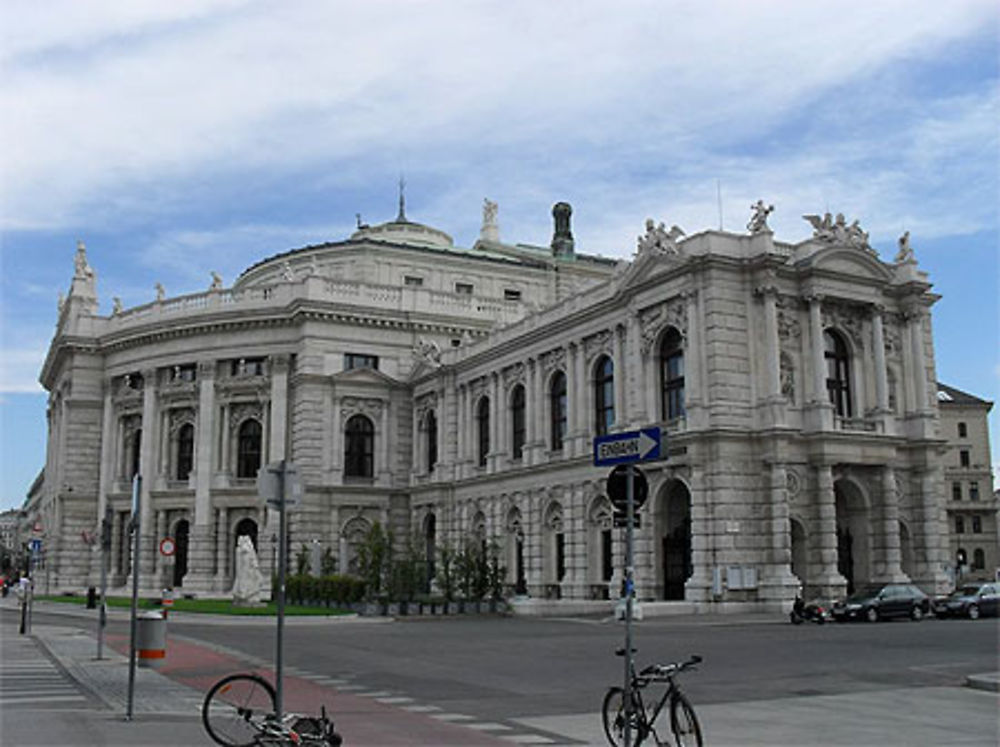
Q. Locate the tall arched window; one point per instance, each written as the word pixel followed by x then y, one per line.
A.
pixel 517 422
pixel 431 434
pixel 557 402
pixel 359 447
pixel 248 448
pixel 134 454
pixel 604 395
pixel 185 451
pixel 838 385
pixel 672 375
pixel 483 423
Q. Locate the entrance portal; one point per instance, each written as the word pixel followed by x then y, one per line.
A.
pixel 180 552
pixel 853 534
pixel 675 539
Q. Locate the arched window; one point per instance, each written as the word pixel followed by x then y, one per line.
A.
pixel 672 375
pixel 359 447
pixel 483 422
pixel 431 434
pixel 838 386
pixel 248 449
pixel 185 451
pixel 558 418
pixel 134 454
pixel 517 422
pixel 604 395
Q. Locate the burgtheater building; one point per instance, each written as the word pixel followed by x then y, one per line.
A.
pixel 453 394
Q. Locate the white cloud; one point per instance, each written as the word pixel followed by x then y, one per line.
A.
pixel 19 370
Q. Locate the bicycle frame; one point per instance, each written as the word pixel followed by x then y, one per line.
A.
pixel 646 719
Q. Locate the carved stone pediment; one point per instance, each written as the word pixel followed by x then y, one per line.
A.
pixel 368 406
pixel 513 375
pixel 654 320
pixel 596 344
pixel 247 386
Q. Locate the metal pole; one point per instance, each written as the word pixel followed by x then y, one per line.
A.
pixel 134 528
pixel 282 556
pixel 629 570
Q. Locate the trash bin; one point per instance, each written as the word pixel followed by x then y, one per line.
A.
pixel 91 598
pixel 151 639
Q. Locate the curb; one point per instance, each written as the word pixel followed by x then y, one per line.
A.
pixel 988 682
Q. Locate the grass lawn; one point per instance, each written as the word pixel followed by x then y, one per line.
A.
pixel 210 606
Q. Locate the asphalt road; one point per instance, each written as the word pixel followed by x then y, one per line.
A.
pixel 520 667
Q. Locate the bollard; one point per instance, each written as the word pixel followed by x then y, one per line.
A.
pixel 151 639
pixel 167 601
pixel 91 598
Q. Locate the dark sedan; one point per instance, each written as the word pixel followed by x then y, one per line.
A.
pixel 882 601
pixel 971 600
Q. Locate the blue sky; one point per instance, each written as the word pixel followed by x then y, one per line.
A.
pixel 185 137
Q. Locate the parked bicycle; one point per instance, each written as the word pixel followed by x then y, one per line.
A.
pixel 683 723
pixel 241 711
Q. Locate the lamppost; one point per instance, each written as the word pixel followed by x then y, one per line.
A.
pixel 274 553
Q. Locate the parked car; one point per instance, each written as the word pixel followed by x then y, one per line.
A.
pixel 881 601
pixel 970 600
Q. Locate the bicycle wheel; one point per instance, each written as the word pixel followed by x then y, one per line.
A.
pixel 684 724
pixel 613 718
pixel 235 708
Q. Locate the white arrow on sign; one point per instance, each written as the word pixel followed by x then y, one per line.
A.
pixel 633 447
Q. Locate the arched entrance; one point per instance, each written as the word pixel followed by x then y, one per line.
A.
pixel 515 550
pixel 853 534
pixel 181 530
pixel 675 538
pixel 800 551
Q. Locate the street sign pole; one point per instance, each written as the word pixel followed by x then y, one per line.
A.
pixel 282 553
pixel 629 571
pixel 136 536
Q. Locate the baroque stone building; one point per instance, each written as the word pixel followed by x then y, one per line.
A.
pixel 454 393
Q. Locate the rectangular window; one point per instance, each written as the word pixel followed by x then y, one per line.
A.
pixel 963 457
pixel 560 556
pixel 187 372
pixel 464 288
pixel 607 559
pixel 412 280
pixel 956 491
pixel 973 491
pixel 963 432
pixel 509 294
pixel 959 525
pixel 357 360
pixel 977 524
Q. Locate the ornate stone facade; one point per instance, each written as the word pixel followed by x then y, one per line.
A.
pixel 454 394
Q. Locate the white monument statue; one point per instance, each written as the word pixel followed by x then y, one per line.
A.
pixel 249 586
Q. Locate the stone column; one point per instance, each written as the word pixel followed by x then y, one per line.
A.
pixel 224 440
pixel 147 468
pixel 918 365
pixel 819 395
pixel 538 414
pixel 199 575
pixel 107 474
pixel 891 558
pixel 221 549
pixel 881 375
pixel 772 351
pixel 418 466
pixel 279 409
pixel 446 452
pixel 531 404
pixel 382 466
pixel 698 588
pixel 583 411
pixel 493 457
pixel 461 415
pixel 779 584
pixel 337 440
pixel 620 369
pixel 826 579
pixel 636 399
pixel 929 570
pixel 693 376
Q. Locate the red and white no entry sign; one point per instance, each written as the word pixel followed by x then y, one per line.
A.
pixel 167 546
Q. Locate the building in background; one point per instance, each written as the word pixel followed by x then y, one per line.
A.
pixel 968 474
pixel 453 395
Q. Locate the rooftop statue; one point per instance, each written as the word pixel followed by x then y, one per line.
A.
pixel 161 292
pixel 287 272
pixel 758 220
pixel 428 351
pixel 116 306
pixel 82 268
pixel 658 240
pixel 216 281
pixel 489 212
pixel 905 253
pixel 837 231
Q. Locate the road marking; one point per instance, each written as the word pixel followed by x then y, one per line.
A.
pixel 395 700
pixel 452 717
pixel 487 726
pixel 526 739
pixel 421 708
pixel 41 699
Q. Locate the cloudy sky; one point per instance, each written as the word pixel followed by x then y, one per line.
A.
pixel 177 138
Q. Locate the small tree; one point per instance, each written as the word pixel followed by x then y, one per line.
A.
pixel 496 572
pixel 375 560
pixel 302 560
pixel 408 571
pixel 445 571
pixel 328 563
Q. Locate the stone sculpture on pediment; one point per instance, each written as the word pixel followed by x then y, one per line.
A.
pixel 427 352
pixel 116 306
pixel 554 359
pixel 787 372
pixel 161 292
pixel 789 327
pixel 793 483
pixel 837 231
pixel 658 240
pixel 513 375
pixel 180 417
pixel 890 336
pixel 905 253
pixel 847 318
pixel 368 406
pixel 216 282
pixel 653 321
pixel 287 273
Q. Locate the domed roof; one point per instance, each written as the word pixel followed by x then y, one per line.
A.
pixel 404 232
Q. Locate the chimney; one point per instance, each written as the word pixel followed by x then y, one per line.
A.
pixel 562 239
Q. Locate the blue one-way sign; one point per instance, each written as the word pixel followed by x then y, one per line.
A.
pixel 623 448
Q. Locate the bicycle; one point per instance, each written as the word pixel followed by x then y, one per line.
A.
pixel 240 710
pixel 683 723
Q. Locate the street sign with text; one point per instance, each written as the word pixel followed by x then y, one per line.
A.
pixel 626 448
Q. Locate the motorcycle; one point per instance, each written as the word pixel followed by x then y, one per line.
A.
pixel 814 611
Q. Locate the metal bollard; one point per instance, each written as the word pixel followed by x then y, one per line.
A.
pixel 151 639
